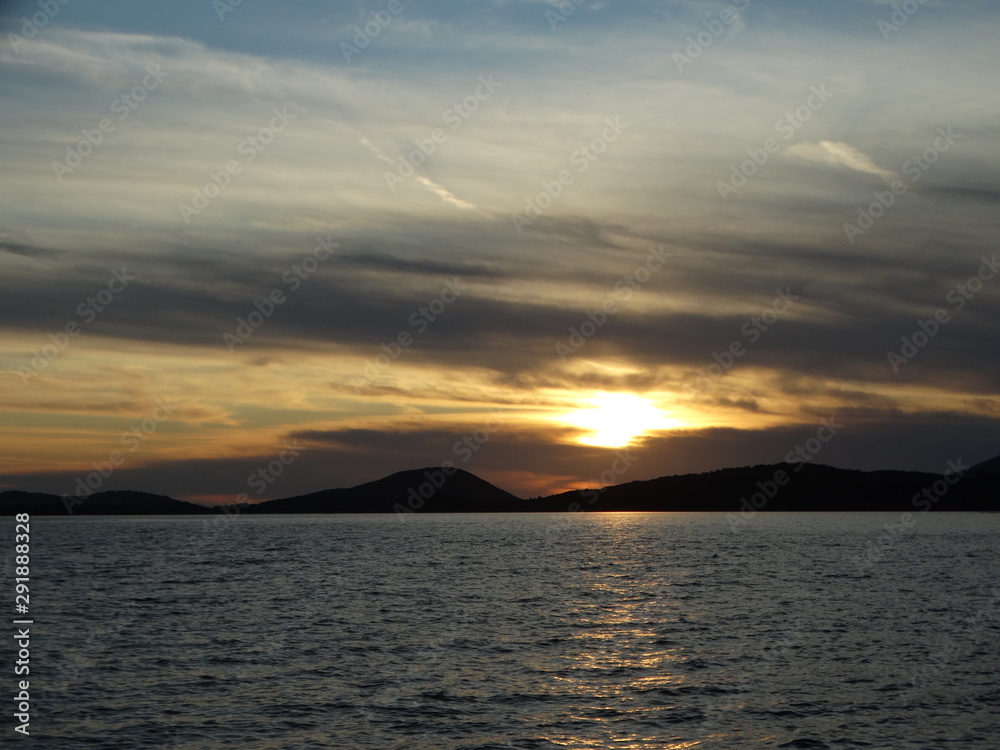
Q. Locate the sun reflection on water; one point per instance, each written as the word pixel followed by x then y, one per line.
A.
pixel 626 670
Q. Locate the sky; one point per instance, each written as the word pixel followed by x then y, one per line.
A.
pixel 274 248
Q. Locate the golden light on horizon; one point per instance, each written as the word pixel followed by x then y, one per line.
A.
pixel 616 420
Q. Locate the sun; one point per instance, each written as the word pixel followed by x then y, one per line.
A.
pixel 615 420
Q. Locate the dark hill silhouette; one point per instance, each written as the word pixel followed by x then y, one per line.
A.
pixel 99 504
pixel 765 487
pixel 788 487
pixel 990 467
pixel 423 490
pixel 770 487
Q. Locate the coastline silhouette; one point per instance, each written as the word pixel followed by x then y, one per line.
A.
pixel 744 491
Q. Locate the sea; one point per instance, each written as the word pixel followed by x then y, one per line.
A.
pixel 530 631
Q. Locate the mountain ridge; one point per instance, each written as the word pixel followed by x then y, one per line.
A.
pixel 746 489
pixel 112 502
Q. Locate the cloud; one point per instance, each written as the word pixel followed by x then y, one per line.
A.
pixel 29 251
pixel 444 194
pixel 841 155
pixel 324 176
pixel 379 154
pixel 439 190
pixel 853 310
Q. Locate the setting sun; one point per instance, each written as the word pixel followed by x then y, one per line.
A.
pixel 617 419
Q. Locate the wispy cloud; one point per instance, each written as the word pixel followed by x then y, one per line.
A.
pixel 839 155
pixel 444 194
pixel 379 153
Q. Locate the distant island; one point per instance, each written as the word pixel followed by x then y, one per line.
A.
pixel 744 491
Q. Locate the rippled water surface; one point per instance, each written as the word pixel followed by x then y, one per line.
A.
pixel 622 630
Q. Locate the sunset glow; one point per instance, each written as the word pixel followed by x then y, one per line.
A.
pixel 368 247
pixel 615 420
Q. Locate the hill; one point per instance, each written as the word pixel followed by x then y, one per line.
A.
pixel 766 487
pixel 418 490
pixel 792 487
pixel 117 503
pixel 748 489
pixel 989 467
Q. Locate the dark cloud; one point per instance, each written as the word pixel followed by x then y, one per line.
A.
pixel 850 314
pixel 983 195
pixel 419 266
pixel 29 251
pixel 574 230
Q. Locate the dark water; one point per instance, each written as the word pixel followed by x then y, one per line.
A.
pixel 592 631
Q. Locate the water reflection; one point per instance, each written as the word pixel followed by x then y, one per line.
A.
pixel 625 631
pixel 629 672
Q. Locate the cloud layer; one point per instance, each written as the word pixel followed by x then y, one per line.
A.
pixel 592 135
